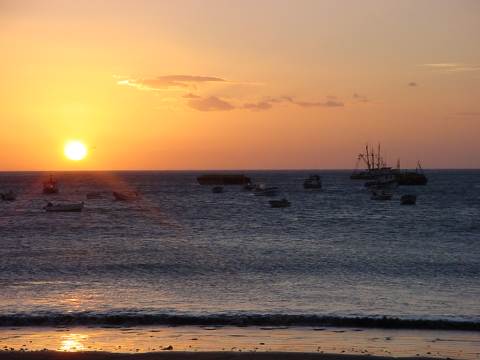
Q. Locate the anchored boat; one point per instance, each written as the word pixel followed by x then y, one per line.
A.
pixel 312 182
pixel 125 196
pixel 50 186
pixel 64 207
pixel 8 196
pixel 283 203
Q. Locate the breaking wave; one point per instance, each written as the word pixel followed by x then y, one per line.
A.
pixel 266 320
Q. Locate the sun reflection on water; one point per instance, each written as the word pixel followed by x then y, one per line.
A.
pixel 73 342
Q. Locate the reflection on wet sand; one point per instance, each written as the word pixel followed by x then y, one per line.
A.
pixel 73 342
pixel 428 343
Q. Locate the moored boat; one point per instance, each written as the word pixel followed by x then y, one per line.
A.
pixel 312 182
pixel 416 177
pixel 282 203
pixel 64 207
pixel 376 167
pixel 217 189
pixel 8 196
pixel 125 196
pixel 262 190
pixel 408 199
pixel 381 194
pixel 50 186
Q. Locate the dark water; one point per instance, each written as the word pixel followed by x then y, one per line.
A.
pixel 184 254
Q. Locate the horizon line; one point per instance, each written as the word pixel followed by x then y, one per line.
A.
pixel 218 169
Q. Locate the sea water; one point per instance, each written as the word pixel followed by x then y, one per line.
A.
pixel 181 254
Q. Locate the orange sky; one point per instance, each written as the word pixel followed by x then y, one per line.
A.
pixel 238 84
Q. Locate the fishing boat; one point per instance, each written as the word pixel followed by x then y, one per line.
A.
pixel 381 194
pixel 262 190
pixel 282 203
pixel 64 207
pixel 8 196
pixel 416 177
pixel 376 167
pixel 50 186
pixel 217 189
pixel 312 182
pixel 408 199
pixel 125 196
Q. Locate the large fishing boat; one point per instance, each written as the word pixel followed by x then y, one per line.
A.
pixel 376 166
pixel 377 170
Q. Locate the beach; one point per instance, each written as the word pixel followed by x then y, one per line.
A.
pixel 231 339
pixel 46 355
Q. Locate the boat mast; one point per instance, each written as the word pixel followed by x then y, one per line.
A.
pixel 368 158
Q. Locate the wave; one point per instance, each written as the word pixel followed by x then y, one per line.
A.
pixel 267 320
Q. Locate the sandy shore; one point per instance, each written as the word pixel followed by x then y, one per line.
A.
pixel 54 355
pixel 207 342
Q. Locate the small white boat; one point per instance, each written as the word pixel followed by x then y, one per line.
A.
pixel 64 207
pixel 262 190
pixel 381 195
pixel 9 196
pixel 283 203
pixel 125 196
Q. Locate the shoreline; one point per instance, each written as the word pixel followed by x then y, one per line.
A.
pixel 220 320
pixel 35 355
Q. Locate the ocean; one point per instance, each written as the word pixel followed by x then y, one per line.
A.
pixel 183 255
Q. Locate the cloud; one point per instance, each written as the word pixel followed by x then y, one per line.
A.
pixel 360 98
pixel 211 103
pixel 169 81
pixel 453 67
pixel 327 103
pixel 412 84
pixel 331 101
pixel 259 106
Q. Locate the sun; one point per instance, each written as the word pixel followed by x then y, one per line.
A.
pixel 75 150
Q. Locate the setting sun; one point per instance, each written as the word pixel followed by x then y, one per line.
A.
pixel 75 150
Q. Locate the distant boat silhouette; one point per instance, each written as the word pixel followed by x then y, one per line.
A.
pixel 125 196
pixel 67 207
pixel 312 182
pixel 8 196
pixel 50 186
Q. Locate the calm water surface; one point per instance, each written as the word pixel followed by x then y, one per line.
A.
pixel 182 250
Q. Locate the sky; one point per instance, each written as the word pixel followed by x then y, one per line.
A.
pixel 245 84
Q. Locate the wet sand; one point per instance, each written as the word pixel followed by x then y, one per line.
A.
pixel 232 339
pixel 54 355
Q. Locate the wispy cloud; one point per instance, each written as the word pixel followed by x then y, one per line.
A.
pixel 169 81
pixel 360 98
pixel 453 67
pixel 258 106
pixel 202 102
pixel 211 103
